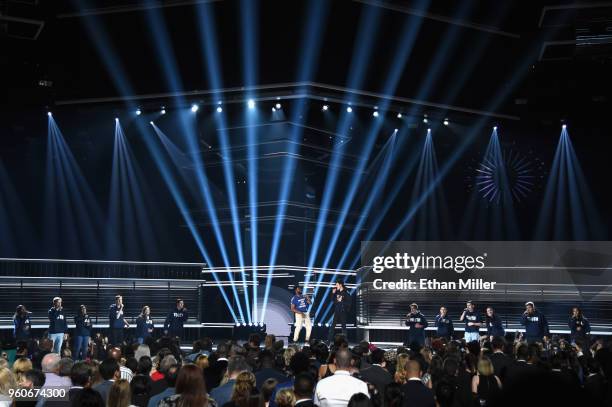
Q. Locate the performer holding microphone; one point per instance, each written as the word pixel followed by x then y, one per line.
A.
pixel 417 324
pixel 82 333
pixel 144 324
pixel 472 323
pixel 57 325
pixel 444 324
pixel 117 322
pixel 535 323
pixel 579 326
pixel 299 306
pixel 342 304
pixel 21 321
pixel 176 319
pixel 494 324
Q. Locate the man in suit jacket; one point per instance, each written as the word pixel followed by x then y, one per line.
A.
pixel 500 360
pixel 303 388
pixel 376 374
pixel 415 392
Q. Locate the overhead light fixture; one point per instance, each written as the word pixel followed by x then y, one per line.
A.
pixel 349 109
pixel 194 108
pixel 219 109
pixel 49 114
pixel 325 107
pixel 445 122
pixel 564 126
pixel 278 106
pixel 251 104
pixel 494 128
pixel 375 114
pixel 163 110
pixel 399 115
pixel 138 112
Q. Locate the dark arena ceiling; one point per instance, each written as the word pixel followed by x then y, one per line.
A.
pixel 526 66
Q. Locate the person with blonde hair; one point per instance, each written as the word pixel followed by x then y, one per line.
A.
pixel 287 355
pixel 285 398
pixel 485 385
pixel 202 361
pixel 7 382
pixel 401 375
pixel 119 394
pixel 244 394
pixel 20 366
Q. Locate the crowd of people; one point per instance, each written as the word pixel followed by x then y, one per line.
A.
pixel 487 372
pixel 448 369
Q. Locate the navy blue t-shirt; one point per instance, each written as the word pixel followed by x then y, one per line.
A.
pixel 300 303
pixel 472 317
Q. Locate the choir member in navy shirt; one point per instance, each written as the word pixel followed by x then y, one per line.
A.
pixel 579 326
pixel 299 306
pixel 176 320
pixel 117 322
pixel 57 324
pixel 82 333
pixel 417 324
pixel 472 322
pixel 494 324
pixel 22 325
pixel 535 323
pixel 444 325
pixel 144 324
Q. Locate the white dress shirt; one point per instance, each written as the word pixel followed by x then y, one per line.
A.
pixel 337 390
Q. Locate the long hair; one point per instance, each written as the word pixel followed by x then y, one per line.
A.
pixel 119 394
pixel 191 387
pixel 401 376
pixel 142 312
pixel 243 388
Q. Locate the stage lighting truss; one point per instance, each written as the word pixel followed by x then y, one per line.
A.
pixel 510 178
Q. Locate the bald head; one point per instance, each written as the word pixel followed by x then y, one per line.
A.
pixel 413 369
pixel 50 363
pixel 343 359
pixel 115 353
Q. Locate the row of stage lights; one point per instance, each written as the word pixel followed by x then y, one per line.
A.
pixel 261 324
pixel 278 106
pixel 251 106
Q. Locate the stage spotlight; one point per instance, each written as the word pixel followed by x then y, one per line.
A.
pixel 564 127
pixel 163 110
pixel 219 109
pixel 325 107
pixel 494 128
pixel 428 130
pixel 320 324
pixel 138 112
pixel 375 114
pixel 251 104
pixel 425 120
pixel 396 130
pixel 445 122
pixel 151 123
pixel 273 109
pixel 194 108
pixel 278 106
pixel 327 325
pixel 116 119
pixel 49 114
pixel 349 109
pixel 399 115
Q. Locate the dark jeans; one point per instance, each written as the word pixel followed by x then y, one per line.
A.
pixel 81 343
pixel 115 336
pixel 339 318
pixel 416 336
